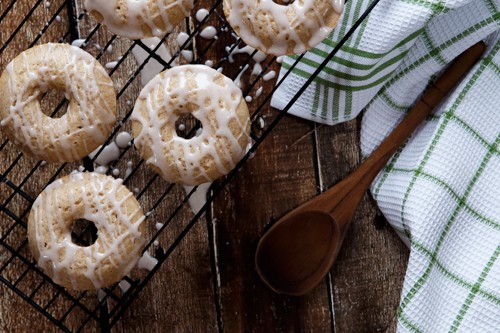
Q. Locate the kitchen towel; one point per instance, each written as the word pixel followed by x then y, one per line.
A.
pixel 441 190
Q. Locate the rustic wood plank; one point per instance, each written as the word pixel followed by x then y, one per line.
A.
pixel 368 275
pixel 280 176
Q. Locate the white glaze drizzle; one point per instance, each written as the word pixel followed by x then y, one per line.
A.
pixel 83 91
pixel 198 198
pixel 124 285
pixel 111 64
pixel 201 14
pixel 78 42
pixel 300 25
pixel 338 6
pixel 237 79
pixel 152 66
pixel 259 92
pixel 128 171
pixel 188 55
pixel 269 76
pixel 109 154
pixel 99 199
pixel 139 15
pixel 182 37
pixel 101 169
pixel 258 57
pixel 208 32
pixel 123 139
pixel 207 97
pixel 147 261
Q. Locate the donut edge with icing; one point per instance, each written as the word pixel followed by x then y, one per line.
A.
pixel 215 152
pixel 283 29
pixel 74 274
pixel 32 131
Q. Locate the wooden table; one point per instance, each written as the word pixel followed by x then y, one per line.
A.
pixel 209 283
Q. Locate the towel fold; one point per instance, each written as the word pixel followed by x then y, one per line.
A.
pixel 441 190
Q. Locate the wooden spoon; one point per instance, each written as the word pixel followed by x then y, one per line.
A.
pixel 297 252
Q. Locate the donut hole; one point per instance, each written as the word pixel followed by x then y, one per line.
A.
pixel 83 232
pixel 187 126
pixel 54 103
pixel 284 2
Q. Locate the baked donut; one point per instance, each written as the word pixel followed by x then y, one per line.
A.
pixel 90 115
pixel 137 19
pixel 117 216
pixel 208 96
pixel 283 29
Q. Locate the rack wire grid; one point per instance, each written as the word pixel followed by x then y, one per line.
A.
pixel 23 179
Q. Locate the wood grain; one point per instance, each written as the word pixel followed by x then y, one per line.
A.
pixel 276 180
pixel 209 283
pixel 369 271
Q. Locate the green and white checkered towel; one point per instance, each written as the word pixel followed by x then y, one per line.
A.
pixel 441 191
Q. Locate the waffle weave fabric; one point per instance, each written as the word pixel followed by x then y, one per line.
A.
pixel 441 190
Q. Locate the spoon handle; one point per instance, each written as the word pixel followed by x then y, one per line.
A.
pixel 429 100
pixel 342 199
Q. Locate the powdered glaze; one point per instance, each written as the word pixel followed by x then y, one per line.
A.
pixel 211 98
pixel 279 29
pixel 93 197
pixel 136 19
pixel 89 117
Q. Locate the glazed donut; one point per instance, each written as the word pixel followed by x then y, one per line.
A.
pixel 90 115
pixel 117 216
pixel 137 19
pixel 278 29
pixel 210 97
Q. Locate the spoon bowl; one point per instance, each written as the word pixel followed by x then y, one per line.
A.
pixel 292 256
pixel 297 252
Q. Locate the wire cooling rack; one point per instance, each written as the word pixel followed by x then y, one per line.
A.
pixel 24 24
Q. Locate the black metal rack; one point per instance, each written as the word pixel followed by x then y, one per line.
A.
pixel 17 268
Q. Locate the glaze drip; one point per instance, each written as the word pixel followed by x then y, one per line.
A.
pixel 210 97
